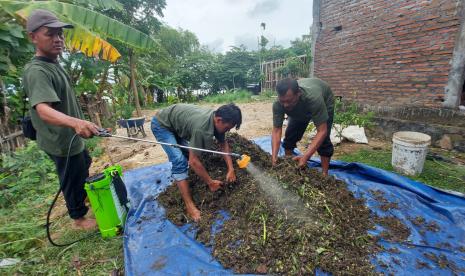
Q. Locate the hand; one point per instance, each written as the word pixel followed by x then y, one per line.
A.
pixel 85 129
pixel 231 176
pixel 214 185
pixel 302 160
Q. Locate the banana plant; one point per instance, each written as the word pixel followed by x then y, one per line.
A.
pixel 91 28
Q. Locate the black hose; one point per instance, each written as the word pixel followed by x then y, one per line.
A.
pixel 55 200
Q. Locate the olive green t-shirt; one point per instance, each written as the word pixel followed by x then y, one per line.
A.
pixel 314 104
pixel 45 81
pixel 191 122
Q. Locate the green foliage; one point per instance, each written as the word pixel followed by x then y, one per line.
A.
pixel 268 94
pixel 263 41
pixel 14 48
pixel 126 111
pixel 435 173
pixel 27 184
pixel 84 19
pixel 293 67
pixel 240 96
pixel 26 172
pixel 93 146
pixel 239 67
pixel 141 14
pixel 178 42
pixel 302 46
pixel 349 114
pixel 28 177
pixel 172 100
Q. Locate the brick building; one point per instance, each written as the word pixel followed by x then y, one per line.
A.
pixel 391 52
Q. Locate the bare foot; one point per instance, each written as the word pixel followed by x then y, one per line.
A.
pixel 84 223
pixel 193 213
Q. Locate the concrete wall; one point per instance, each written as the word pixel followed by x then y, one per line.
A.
pixel 394 53
pixel 445 126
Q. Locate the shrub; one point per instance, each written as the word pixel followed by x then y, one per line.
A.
pixel 240 96
pixel 26 172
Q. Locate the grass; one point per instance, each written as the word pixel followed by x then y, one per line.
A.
pixel 93 145
pixel 240 96
pixel 435 173
pixel 27 185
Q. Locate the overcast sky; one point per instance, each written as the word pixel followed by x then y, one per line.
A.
pixel 220 24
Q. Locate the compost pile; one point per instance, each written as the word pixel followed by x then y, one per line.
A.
pixel 308 222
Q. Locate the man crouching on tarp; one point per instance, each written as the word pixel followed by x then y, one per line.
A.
pixel 180 123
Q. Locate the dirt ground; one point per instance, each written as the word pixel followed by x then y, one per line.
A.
pixel 257 122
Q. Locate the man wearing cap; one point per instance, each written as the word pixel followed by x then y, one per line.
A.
pixel 303 100
pixel 55 112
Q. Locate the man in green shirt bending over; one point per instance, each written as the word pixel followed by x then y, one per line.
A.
pixel 303 100
pixel 196 127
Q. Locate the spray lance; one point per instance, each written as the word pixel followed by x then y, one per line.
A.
pixel 242 160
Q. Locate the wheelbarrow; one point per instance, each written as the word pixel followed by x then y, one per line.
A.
pixel 133 126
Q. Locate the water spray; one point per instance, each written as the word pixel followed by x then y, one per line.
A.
pixel 242 161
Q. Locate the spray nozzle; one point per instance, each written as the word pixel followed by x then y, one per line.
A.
pixel 243 161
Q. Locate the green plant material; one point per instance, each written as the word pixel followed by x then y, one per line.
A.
pixel 14 47
pixel 93 146
pixel 293 67
pixel 126 111
pixel 241 96
pixel 26 170
pixel 267 94
pixel 266 235
pixel 346 115
pixel 27 184
pixel 264 217
pixel 93 22
pixel 351 115
pixel 172 100
pixel 435 173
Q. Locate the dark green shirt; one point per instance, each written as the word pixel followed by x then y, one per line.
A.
pixel 191 122
pixel 314 104
pixel 46 81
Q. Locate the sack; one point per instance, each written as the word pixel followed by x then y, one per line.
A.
pixel 28 129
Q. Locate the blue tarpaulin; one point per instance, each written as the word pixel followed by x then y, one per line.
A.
pixel 155 246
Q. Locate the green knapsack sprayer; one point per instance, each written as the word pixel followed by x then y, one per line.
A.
pixel 109 200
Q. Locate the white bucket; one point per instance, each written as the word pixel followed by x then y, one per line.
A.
pixel 409 151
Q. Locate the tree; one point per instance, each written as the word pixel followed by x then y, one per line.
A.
pixel 302 46
pixel 90 27
pixel 141 15
pixel 90 35
pixel 237 63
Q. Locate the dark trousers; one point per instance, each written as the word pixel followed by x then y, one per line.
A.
pixel 73 184
pixel 295 131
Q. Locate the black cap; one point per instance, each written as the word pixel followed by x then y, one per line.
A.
pixel 39 18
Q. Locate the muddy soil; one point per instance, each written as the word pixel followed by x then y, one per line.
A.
pixel 308 221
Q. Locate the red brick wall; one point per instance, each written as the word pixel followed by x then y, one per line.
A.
pixel 391 52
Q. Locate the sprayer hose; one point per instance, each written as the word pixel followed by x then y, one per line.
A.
pixel 47 225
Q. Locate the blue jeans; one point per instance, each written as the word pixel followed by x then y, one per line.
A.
pixel 178 160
